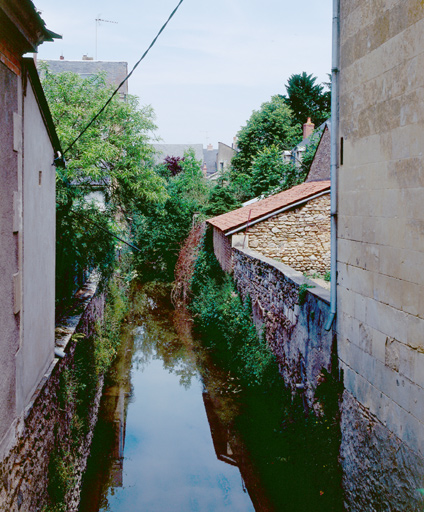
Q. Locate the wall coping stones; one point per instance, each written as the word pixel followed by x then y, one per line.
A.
pixel 296 276
pixel 68 324
pixel 66 327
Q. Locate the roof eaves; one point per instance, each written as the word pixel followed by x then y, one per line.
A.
pixel 295 204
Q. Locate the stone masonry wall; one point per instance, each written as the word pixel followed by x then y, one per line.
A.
pixel 293 318
pixel 299 238
pixel 24 472
pixel 380 310
pixel 380 472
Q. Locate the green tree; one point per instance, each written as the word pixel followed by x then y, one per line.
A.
pixel 222 198
pixel 306 99
pixel 271 125
pixel 161 229
pixel 111 161
pixel 270 174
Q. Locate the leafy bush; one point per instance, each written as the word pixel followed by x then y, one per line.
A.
pixel 225 323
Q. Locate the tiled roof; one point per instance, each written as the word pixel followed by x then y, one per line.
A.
pixel 238 218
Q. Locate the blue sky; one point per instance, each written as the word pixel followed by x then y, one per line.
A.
pixel 214 64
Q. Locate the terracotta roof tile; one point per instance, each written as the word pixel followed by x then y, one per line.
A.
pixel 237 218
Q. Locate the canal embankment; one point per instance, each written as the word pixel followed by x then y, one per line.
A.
pixel 49 446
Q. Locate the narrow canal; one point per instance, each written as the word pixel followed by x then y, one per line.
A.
pixel 170 436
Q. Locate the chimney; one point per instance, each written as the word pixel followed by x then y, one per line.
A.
pixel 86 57
pixel 62 57
pixel 205 170
pixel 210 147
pixel 235 143
pixel 308 128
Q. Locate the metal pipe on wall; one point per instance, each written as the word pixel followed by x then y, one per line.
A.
pixel 334 157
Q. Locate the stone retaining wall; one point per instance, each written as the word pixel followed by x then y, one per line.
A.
pixel 292 316
pixel 24 472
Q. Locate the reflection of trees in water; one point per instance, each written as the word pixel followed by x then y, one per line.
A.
pixel 281 446
pixel 156 336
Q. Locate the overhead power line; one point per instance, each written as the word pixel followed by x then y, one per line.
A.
pixel 125 79
pixel 105 230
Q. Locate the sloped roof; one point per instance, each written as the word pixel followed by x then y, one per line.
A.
pixel 317 132
pixel 21 25
pixel 237 219
pixel 176 150
pixel 321 164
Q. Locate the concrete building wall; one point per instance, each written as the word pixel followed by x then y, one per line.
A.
pixel 225 154
pixel 380 320
pixel 299 238
pixel 115 71
pixel 38 284
pixel 10 162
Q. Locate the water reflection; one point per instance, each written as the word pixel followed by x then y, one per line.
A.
pixel 153 449
pixel 173 433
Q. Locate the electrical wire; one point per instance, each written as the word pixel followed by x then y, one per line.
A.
pixel 105 230
pixel 125 79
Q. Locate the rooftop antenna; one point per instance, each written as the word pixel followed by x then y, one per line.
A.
pixel 98 21
pixel 206 135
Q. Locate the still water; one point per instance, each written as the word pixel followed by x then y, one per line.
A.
pixel 159 444
pixel 177 434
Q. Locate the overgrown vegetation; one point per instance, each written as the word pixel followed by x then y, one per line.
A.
pixel 225 324
pixel 79 383
pixel 295 451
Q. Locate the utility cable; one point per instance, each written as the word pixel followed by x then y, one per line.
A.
pixel 126 78
pixel 105 230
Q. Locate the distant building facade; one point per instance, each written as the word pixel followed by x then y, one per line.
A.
pixel 177 150
pixel 115 72
pixel 224 157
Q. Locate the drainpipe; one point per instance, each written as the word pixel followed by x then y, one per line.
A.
pixel 334 157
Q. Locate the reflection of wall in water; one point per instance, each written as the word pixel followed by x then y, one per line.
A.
pixel 220 433
pixel 229 448
pixel 116 398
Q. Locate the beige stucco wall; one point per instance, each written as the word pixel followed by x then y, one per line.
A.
pixel 299 238
pixel 36 350
pixel 380 319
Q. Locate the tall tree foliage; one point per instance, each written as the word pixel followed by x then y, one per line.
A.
pixel 270 174
pixel 108 176
pixel 271 125
pixel 306 99
pixel 161 229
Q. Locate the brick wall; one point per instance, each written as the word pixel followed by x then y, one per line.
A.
pixel 9 59
pixel 222 249
pixel 299 238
